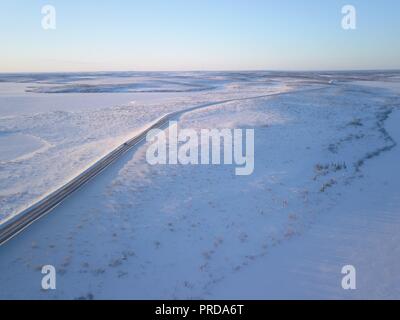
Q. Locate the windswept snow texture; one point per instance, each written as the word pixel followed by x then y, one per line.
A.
pixel 77 126
pixel 324 193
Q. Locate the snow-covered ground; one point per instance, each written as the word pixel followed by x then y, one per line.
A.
pixel 324 192
pixel 66 132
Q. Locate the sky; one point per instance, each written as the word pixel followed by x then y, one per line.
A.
pixel 158 35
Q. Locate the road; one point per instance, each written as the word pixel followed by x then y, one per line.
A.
pixel 24 219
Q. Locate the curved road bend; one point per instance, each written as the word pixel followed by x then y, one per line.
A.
pixel 24 219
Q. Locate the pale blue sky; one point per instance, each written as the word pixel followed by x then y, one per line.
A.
pixel 198 35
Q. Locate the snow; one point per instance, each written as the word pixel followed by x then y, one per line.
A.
pixel 77 129
pixel 361 230
pixel 323 195
pixel 18 147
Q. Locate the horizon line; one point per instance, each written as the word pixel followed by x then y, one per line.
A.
pixel 211 70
